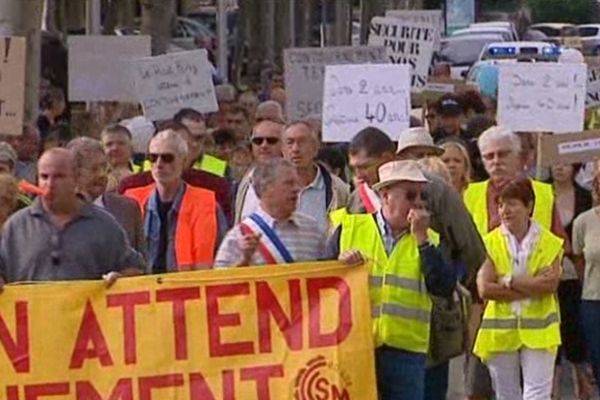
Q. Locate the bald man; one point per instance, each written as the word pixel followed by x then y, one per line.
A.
pixel 60 237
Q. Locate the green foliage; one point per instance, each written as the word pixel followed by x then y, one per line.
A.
pixel 573 11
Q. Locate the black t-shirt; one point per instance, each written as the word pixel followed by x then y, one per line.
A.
pixel 160 265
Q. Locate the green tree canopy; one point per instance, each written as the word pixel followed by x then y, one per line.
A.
pixel 573 11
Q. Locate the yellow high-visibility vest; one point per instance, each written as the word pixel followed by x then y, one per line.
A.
pixel 476 201
pixel 538 325
pixel 208 163
pixel 400 304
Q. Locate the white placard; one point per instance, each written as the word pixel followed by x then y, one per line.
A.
pixel 433 17
pixel 358 96
pixel 166 84
pixel 305 69
pixel 13 53
pixel 592 98
pixel 99 66
pixel 406 43
pixel 542 97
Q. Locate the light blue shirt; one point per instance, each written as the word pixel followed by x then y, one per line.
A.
pixel 312 201
pixel 389 241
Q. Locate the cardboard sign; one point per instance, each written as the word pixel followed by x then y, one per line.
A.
pixel 433 17
pixel 99 66
pixel 406 43
pixel 542 97
pixel 276 332
pixel 165 84
pixel 570 148
pixel 358 96
pixel 305 70
pixel 434 90
pixel 12 85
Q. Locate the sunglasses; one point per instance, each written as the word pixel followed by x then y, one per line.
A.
pixel 411 195
pixel 258 141
pixel 165 157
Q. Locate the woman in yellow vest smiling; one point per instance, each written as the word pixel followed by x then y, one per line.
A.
pixel 520 331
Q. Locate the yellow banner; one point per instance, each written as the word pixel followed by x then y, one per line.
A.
pixel 299 332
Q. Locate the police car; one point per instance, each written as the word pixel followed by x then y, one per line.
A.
pixel 522 51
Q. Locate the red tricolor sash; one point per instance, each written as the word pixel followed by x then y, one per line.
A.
pixel 369 198
pixel 270 246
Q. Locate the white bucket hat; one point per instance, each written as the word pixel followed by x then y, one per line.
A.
pixel 399 171
pixel 417 137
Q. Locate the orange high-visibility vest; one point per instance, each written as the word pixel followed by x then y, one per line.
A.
pixel 196 232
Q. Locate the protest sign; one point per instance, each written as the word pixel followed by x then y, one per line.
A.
pixel 542 97
pixel 12 85
pixel 570 148
pixel 592 98
pixel 305 69
pixel 406 43
pixel 357 96
pixel 99 66
pixel 434 90
pixel 433 17
pixel 165 84
pixel 277 332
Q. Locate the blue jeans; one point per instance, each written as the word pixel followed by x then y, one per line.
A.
pixel 436 381
pixel 400 374
pixel 590 319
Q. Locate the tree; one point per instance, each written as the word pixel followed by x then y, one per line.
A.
pixel 157 20
pixel 24 18
pixel 572 11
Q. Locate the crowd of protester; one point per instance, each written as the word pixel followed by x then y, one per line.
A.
pixel 491 266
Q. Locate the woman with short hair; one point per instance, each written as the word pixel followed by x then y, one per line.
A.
pixel 519 333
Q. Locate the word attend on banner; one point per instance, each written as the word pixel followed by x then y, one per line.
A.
pixel 300 329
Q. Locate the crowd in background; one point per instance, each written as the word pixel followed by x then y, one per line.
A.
pixel 192 192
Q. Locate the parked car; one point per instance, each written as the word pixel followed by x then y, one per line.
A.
pixel 187 34
pixel 590 38
pixel 498 24
pixel 487 30
pixel 525 51
pixel 462 51
pixel 561 34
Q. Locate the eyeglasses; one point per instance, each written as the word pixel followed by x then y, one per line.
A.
pixel 258 141
pixel 165 157
pixel 412 195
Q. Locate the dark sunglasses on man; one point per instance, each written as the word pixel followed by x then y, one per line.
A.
pixel 165 157
pixel 258 141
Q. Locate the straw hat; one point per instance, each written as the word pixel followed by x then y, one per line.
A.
pixel 399 171
pixel 417 137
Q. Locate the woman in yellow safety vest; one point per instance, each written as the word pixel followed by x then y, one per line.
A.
pixel 519 333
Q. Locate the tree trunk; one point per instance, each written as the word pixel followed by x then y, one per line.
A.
pixel 157 19
pixel 342 27
pixel 23 18
pixel 242 37
pixel 368 9
pixel 49 15
pixel 75 16
pixel 306 18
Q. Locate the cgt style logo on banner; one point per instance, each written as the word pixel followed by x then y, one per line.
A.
pixel 322 379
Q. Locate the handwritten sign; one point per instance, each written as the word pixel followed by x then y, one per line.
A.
pixel 433 17
pixel 358 96
pixel 165 84
pixel 99 66
pixel 542 97
pixel 305 69
pixel 569 148
pixel 592 98
pixel 12 85
pixel 406 43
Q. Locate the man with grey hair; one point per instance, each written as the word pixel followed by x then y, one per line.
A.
pixel 504 160
pixel 275 233
pixel 92 168
pixel 322 192
pixel 269 110
pixel 183 224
